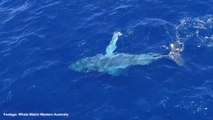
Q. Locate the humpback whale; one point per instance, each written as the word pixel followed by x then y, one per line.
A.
pixel 113 63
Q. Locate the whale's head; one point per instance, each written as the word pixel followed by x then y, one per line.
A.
pixel 81 66
pixel 88 64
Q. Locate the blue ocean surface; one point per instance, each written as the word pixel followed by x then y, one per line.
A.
pixel 39 39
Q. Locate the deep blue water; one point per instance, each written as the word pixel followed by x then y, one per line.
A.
pixel 39 39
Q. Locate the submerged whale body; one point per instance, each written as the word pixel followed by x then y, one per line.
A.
pixel 113 63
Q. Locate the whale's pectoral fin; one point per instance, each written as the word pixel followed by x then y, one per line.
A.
pixel 112 45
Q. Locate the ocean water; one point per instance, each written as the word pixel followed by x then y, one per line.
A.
pixel 40 39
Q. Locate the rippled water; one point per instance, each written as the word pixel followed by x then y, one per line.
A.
pixel 40 39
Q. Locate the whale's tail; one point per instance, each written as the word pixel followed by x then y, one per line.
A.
pixel 175 53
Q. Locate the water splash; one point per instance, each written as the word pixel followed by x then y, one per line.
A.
pixel 175 53
pixel 197 31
